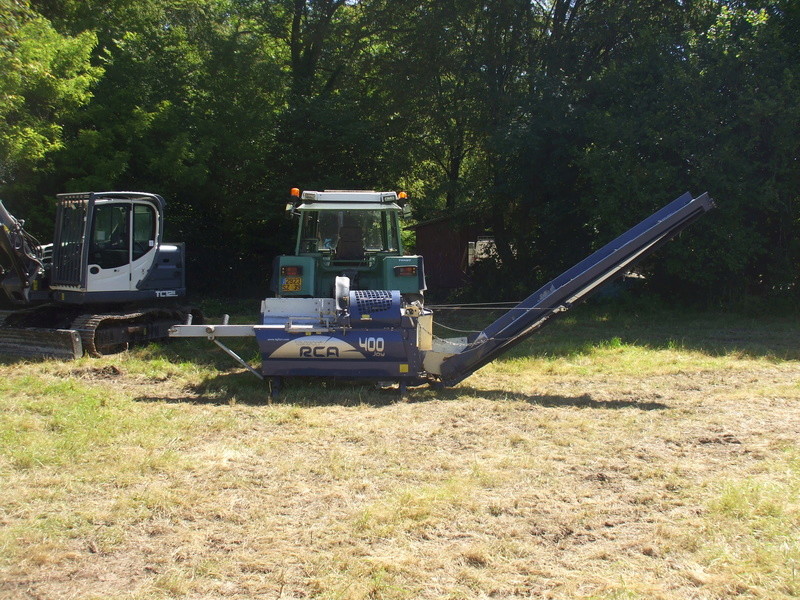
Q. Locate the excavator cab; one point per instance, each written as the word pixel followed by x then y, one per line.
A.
pixel 108 279
pixel 108 248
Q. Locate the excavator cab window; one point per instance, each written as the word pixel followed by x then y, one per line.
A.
pixel 144 229
pixel 110 239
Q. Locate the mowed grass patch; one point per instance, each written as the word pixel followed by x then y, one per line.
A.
pixel 75 430
pixel 753 532
pixel 610 457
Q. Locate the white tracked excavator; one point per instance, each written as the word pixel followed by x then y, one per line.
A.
pixel 108 280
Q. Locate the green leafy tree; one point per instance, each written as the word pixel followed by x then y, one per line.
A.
pixel 704 99
pixel 186 108
pixel 44 78
pixel 554 123
pixel 336 129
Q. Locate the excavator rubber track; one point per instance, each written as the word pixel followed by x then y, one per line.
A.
pixel 114 332
pixel 88 333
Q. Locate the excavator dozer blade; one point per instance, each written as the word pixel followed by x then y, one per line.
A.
pixel 31 342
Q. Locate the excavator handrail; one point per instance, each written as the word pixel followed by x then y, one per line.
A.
pixel 574 285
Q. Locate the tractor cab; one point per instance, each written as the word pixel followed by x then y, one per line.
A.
pixel 353 234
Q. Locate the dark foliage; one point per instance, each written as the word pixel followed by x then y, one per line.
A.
pixel 564 121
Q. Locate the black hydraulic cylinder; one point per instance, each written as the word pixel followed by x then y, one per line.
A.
pixel 21 255
pixel 574 285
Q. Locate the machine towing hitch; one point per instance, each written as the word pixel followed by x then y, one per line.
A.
pixel 376 334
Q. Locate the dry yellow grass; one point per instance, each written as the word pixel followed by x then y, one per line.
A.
pixel 619 469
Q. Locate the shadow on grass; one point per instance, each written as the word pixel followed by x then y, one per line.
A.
pixel 545 400
pixel 587 328
pixel 579 332
pixel 590 326
pixel 243 388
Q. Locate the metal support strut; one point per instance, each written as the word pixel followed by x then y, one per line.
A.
pixel 237 358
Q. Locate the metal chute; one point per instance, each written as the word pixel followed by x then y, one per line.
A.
pixel 574 285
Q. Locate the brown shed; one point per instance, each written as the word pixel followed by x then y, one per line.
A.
pixel 443 244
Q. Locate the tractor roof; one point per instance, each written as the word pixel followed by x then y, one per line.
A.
pixel 360 206
pixel 349 200
pixel 350 196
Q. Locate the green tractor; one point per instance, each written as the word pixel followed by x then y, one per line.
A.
pixel 347 234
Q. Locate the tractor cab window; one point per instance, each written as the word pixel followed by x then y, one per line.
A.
pixel 310 232
pixel 144 229
pixel 390 222
pixel 110 238
pixel 349 234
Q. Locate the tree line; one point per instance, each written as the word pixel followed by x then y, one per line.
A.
pixel 556 124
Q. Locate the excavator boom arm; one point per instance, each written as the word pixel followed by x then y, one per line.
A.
pixel 20 259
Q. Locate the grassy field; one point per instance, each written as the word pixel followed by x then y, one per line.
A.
pixel 614 456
